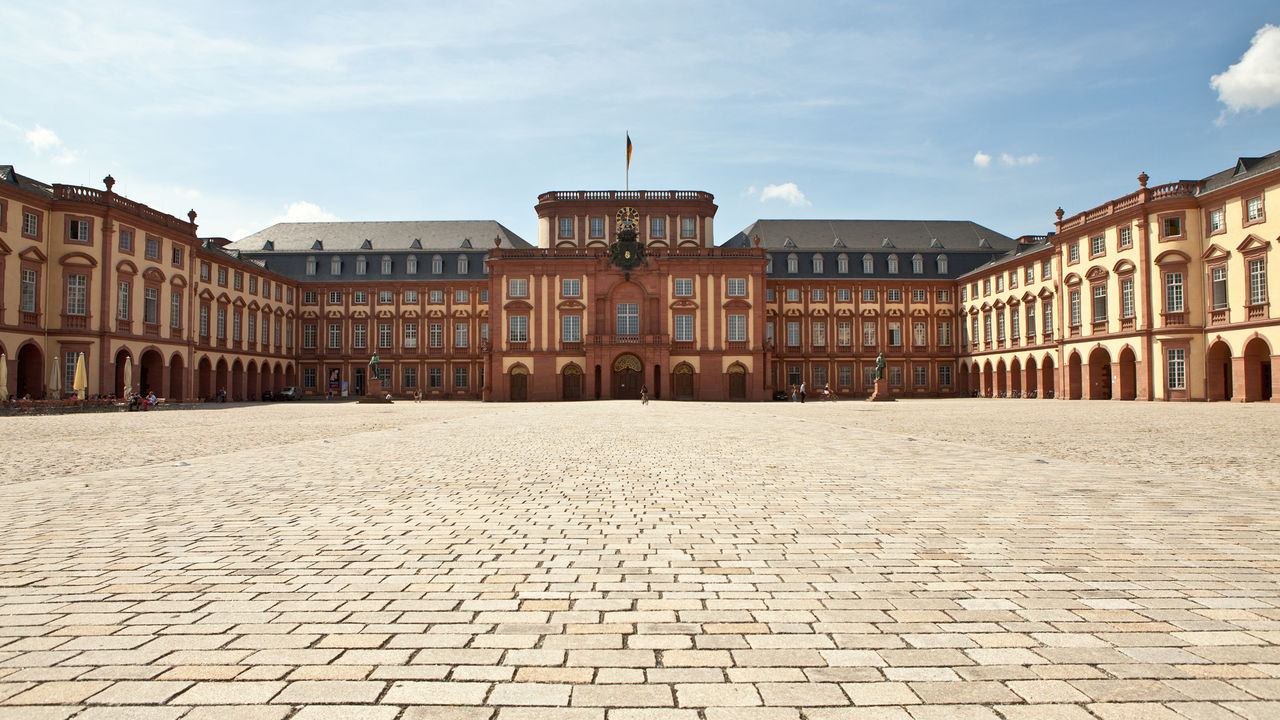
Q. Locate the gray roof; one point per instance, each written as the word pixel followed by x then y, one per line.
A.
pixel 11 177
pixel 379 236
pixel 1022 250
pixel 1245 168
pixel 880 235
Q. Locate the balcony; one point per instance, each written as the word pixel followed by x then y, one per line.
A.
pixel 1258 312
pixel 626 195
pixel 628 339
pixel 29 319
pixel 514 346
pixel 1178 318
pixel 124 327
pixel 75 322
pixel 1099 327
pixel 682 346
pixel 1219 317
pixel 151 330
pixel 573 347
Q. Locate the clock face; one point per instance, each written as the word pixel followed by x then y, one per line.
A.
pixel 627 217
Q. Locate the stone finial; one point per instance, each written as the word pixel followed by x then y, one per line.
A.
pixel 1059 213
pixel 109 182
pixel 191 215
pixel 1142 179
pixel 497 241
pixel 756 241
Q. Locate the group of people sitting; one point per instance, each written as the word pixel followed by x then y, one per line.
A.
pixel 137 401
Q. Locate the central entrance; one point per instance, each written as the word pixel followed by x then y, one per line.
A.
pixel 628 375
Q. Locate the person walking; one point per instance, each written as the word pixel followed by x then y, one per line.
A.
pixel 802 386
pixel 644 394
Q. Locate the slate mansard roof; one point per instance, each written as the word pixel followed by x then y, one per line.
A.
pixel 1245 168
pixel 408 235
pixel 10 176
pixel 965 244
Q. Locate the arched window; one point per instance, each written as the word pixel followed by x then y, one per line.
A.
pixel 793 263
pixel 768 266
pixel 411 264
pixel 463 265
pixel 867 266
pixel 362 265
pixel 942 264
pixel 893 264
pixel 842 263
pixel 817 262
pixel 917 264
pixel 437 265
pixel 386 264
pixel 335 265
pixel 311 264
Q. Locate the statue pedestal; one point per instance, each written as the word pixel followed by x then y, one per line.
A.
pixel 375 393
pixel 881 393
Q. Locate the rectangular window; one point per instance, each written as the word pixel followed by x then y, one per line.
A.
pixel 844 376
pixel 461 335
pixel 737 328
pixel 868 295
pixel 78 231
pixel 151 305
pixel 335 336
pixel 484 332
pixel 1253 210
pixel 484 297
pixel 657 227
pixel 919 334
pixel 684 328
pixel 308 336
pixel 1073 253
pixel 920 375
pixel 335 297
pixel 1014 322
pixel 973 332
pixel 793 334
pixel 844 333
pixel 893 296
pixel 1176 362
pixel 817 264
pixel 1013 279
pixel 1000 283
pixel 204 322
pixel 944 375
pixel 461 297
pixel 126 241
pixel 460 377
pixel 1126 297
pixel 769 333
pixel 566 228
pixel 335 266
pixel 77 294
pixel 517 287
pixel 237 281
pixel 1173 292
pixel 1029 274
pixel 410 381
pixel 920 295
pixel 69 371
pixel 869 375
pixel 122 300
pixel 359 297
pixel 628 315
pixel 818 295
pixel 30 224
pixel 1099 303
pixel 737 287
pixel 684 287
pixel 944 296
pixel 986 328
pixel 1000 325
pixel 1217 220
pixel 359 336
pixel 571 329
pixel 572 287
pixel 944 333
pixel 986 287
pixel 410 335
pixel 411 297
pixel 869 333
pixel 386 266
pixel 175 309
pixel 384 335
pixel 435 297
pixel 895 334
pixel 221 323
pixel 688 228
pixel 843 295
pixel 1171 227
pixel 386 297
pixel 793 295
pixel 311 268
pixel 819 378
pixel 235 325
pixel 1048 320
pixel 895 375
pixel 309 297
pixel 1030 314
pixel 435 335
pixel 597 227
pixel 1257 281
pixel 253 327
pixel 1124 237
pixel 309 378
pixel 1097 245
pixel 435 378
pixel 518 329
pixel 1046 269
pixel 1073 307
pixel 253 284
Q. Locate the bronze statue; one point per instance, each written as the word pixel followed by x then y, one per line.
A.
pixel 373 366
pixel 880 363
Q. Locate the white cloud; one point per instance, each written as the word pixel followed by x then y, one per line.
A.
pixel 788 192
pixel 303 211
pixel 42 138
pixel 981 159
pixel 1254 82
pixel 1012 161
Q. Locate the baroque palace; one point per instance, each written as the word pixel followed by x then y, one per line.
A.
pixel 1162 294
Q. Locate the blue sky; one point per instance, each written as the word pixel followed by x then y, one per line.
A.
pixel 255 112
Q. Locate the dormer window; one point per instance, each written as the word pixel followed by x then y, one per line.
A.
pixel 437 265
pixel 362 265
pixel 335 266
pixel 464 265
pixel 942 265
pixel 917 264
pixel 868 265
pixel 411 265
pixel 817 263
pixel 842 264
pixel 893 264
pixel 793 263
pixel 386 264
pixel 311 265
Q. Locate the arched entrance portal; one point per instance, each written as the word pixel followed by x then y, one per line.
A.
pixel 1048 379
pixel 176 390
pixel 1032 374
pixel 682 381
pixel 30 373
pixel 121 381
pixel 571 382
pixel 1015 378
pixel 737 382
pixel 1217 371
pixel 628 376
pixel 1099 374
pixel 1002 377
pixel 1257 370
pixel 151 375
pixel 221 379
pixel 1073 377
pixel 962 379
pixel 519 383
pixel 1128 374
pixel 987 386
pixel 204 379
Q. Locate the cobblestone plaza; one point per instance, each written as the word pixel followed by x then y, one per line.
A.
pixel 607 560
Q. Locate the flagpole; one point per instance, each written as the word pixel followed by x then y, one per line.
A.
pixel 628 186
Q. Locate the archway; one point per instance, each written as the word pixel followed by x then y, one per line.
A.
pixel 290 375
pixel 738 382
pixel 277 382
pixel 222 378
pixel 176 370
pixel 151 375
pixel 1128 374
pixel 236 390
pixel 1099 374
pixel 655 392
pixel 1074 381
pixel 121 381
pixel 962 378
pixel 987 387
pixel 571 382
pixel 1257 370
pixel 682 381
pixel 1031 372
pixel 1048 377
pixel 1217 371
pixel 628 376
pixel 1015 378
pixel 264 381
pixel 1002 379
pixel 205 387
pixel 519 383
pixel 251 381
pixel 30 373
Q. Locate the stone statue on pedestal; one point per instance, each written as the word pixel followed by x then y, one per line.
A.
pixel 880 364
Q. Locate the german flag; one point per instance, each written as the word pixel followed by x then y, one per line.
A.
pixel 628 150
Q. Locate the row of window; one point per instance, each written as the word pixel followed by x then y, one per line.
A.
pixel 870 333
pixel 869 295
pixel 1028 273
pixel 817 264
pixel 409 376
pixel 462 264
pixel 384 330
pixel 844 375
pixel 282 292
pixel 1028 314
pixel 1253 214
pixel 595 228
pixel 283 329
pixel 387 297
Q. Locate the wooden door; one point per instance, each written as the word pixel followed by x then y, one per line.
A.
pixel 572 384
pixel 737 383
pixel 519 387
pixel 683 383
pixel 628 377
